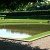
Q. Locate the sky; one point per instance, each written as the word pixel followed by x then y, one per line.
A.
pixel 13 35
pixel 48 0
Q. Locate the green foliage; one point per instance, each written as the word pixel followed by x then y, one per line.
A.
pixel 23 5
pixel 15 4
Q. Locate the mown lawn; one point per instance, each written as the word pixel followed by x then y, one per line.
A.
pixel 22 21
pixel 34 37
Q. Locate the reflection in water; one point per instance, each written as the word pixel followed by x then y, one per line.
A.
pixel 31 29
pixel 22 31
pixel 14 35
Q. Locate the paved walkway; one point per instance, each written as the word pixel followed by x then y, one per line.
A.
pixel 42 42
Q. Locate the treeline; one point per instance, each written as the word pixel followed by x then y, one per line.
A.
pixel 16 46
pixel 27 15
pixel 14 4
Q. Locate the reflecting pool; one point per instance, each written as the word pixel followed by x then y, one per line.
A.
pixel 22 31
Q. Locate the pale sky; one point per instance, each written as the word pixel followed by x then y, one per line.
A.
pixel 48 0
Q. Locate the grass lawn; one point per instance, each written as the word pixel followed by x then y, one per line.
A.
pixel 34 37
pixel 22 21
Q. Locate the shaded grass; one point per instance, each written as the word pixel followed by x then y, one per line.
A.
pixel 37 36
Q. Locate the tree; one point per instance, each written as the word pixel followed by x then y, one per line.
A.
pixel 14 4
pixel 20 5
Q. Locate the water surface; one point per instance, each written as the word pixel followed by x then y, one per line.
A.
pixel 22 31
pixel 5 33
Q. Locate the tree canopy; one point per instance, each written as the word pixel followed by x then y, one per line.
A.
pixel 21 5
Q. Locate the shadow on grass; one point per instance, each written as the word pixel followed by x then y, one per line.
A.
pixel 16 46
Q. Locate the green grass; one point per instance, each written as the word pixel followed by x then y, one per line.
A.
pixel 22 21
pixel 37 36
